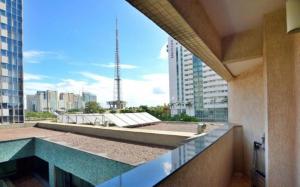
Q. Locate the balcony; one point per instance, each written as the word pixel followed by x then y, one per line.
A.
pixel 209 160
pixel 4 46
pixel 3 19
pixel 4 72
pixel 4 99
pixel 4 33
pixel 247 44
pixel 4 112
pixel 2 6
pixel 4 85
pixel 250 45
pixel 4 59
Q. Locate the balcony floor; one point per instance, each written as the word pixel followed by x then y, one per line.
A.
pixel 240 181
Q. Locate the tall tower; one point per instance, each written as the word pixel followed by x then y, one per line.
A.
pixel 117 103
pixel 117 82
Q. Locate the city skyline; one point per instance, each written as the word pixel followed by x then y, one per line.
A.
pixel 52 61
pixel 53 101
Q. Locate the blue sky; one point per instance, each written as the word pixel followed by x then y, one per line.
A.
pixel 69 46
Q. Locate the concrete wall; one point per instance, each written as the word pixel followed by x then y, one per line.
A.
pixel 246 105
pixel 213 167
pixel 162 138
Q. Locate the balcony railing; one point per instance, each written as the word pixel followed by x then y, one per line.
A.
pixel 208 160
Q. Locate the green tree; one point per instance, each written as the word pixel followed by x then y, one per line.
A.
pixel 93 107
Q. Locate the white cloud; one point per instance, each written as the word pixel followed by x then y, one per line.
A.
pixel 35 77
pixel 135 92
pixel 112 65
pixel 167 167
pixel 163 55
pixel 35 56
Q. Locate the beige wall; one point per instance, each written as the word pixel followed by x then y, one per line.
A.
pixel 213 167
pixel 246 108
pixel 296 44
pixel 242 46
pixel 268 98
pixel 279 63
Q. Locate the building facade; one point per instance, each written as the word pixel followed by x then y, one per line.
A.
pixel 88 97
pixel 11 73
pixel 50 101
pixel 44 101
pixel 215 93
pixel 195 89
pixel 69 101
pixel 31 103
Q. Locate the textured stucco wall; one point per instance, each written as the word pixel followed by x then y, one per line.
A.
pixel 242 46
pixel 213 167
pixel 246 107
pixel 267 98
pixel 296 56
pixel 281 114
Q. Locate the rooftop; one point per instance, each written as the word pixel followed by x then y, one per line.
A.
pixel 96 154
pixel 122 151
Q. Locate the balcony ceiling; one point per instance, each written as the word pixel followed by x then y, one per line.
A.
pixel 226 34
pixel 234 16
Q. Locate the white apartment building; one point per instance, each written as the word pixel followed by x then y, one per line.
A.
pixel 195 89
pixel 69 101
pixel 180 79
pixel 31 103
pixel 214 89
pixel 48 100
pixel 42 101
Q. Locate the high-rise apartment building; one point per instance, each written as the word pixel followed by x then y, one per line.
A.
pixel 195 89
pixel 215 92
pixel 31 103
pixel 11 72
pixel 69 101
pixel 88 97
pixel 180 79
pixel 46 101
